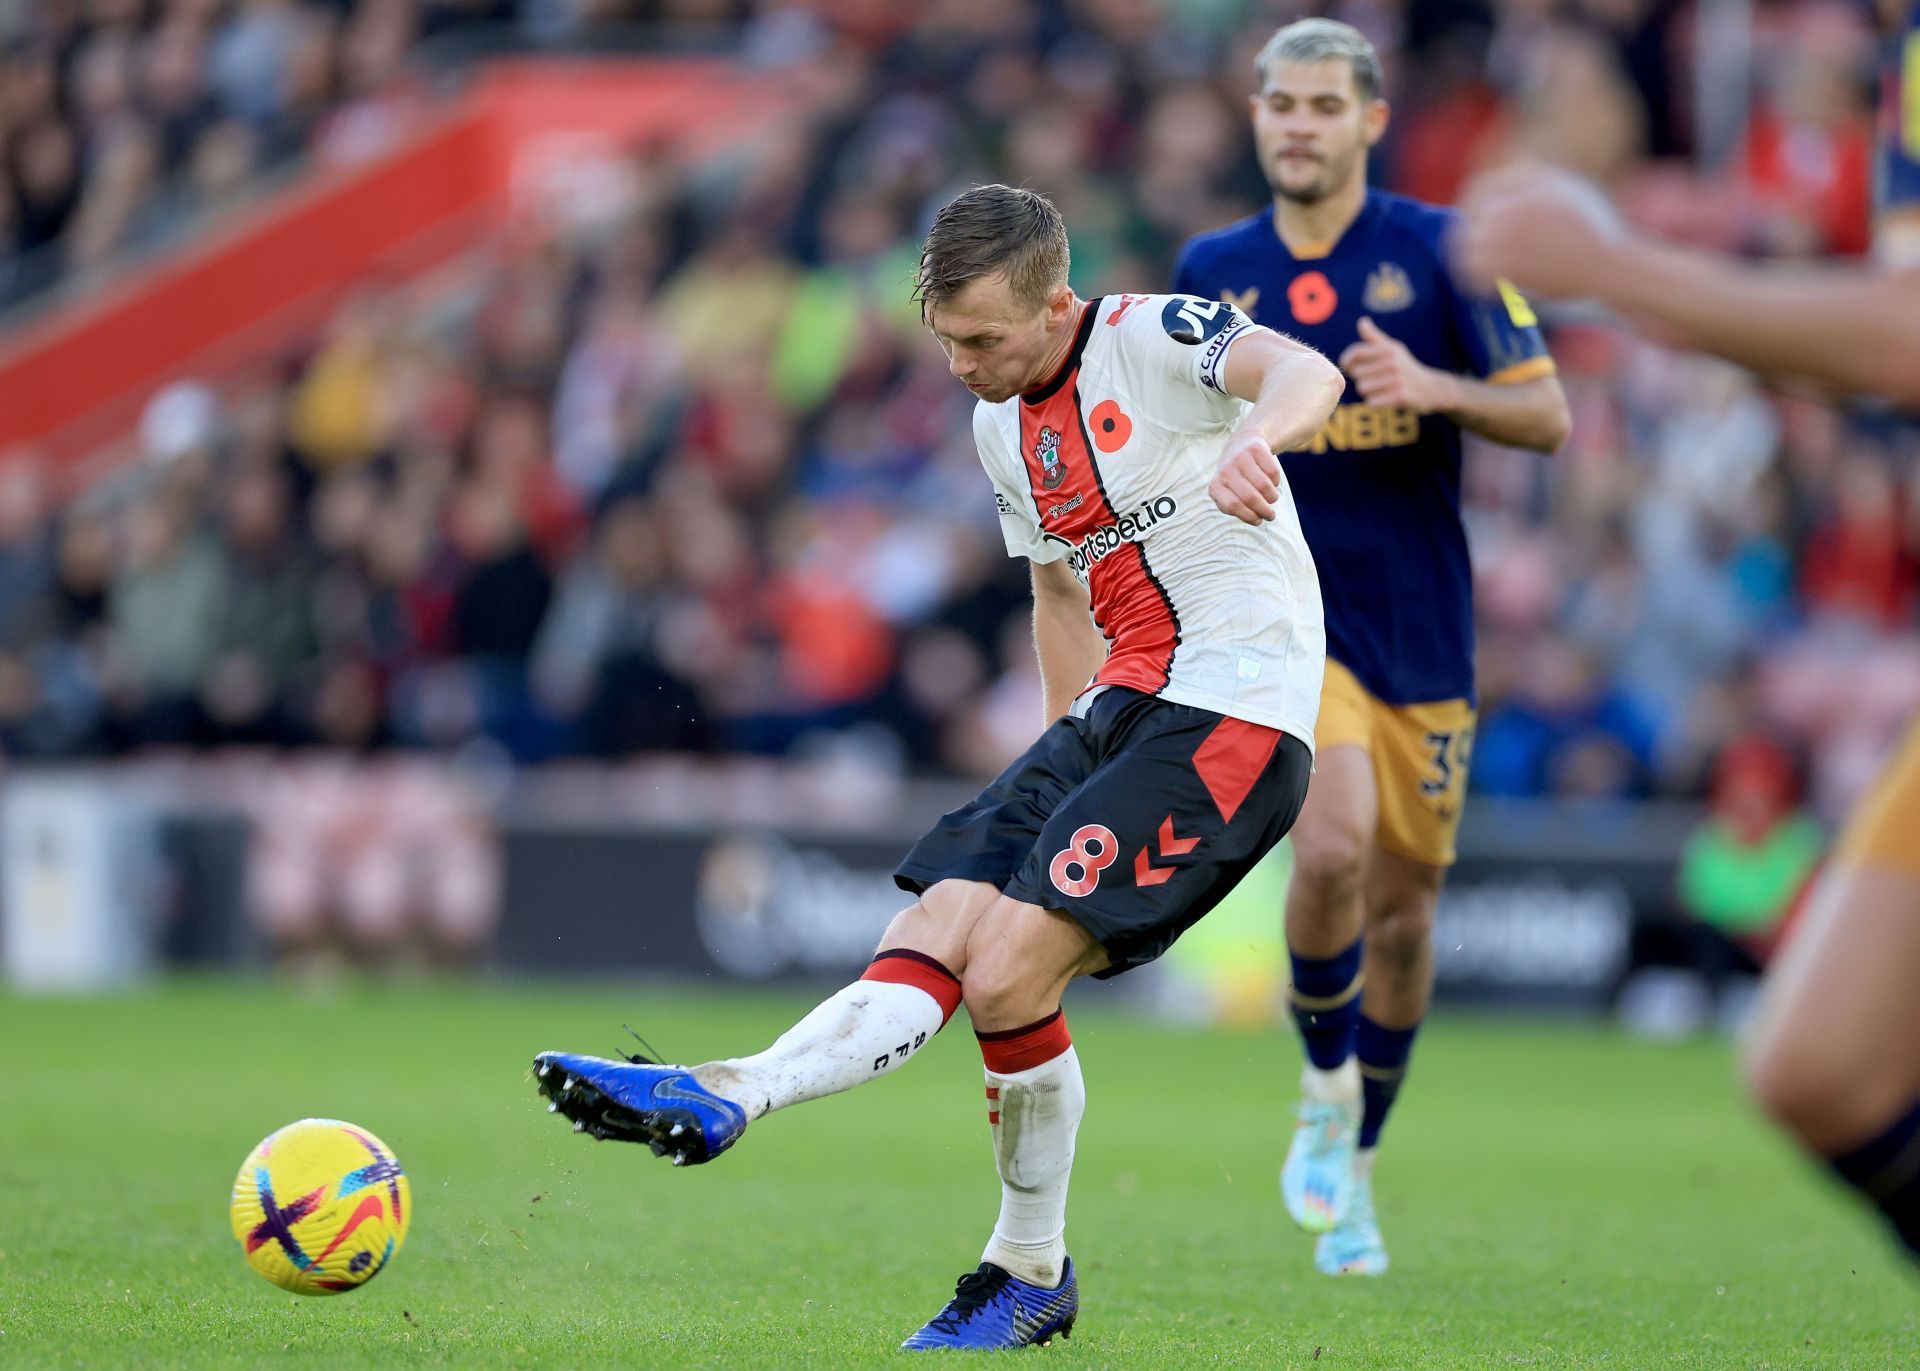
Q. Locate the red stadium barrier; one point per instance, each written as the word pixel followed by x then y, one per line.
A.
pixel 74 381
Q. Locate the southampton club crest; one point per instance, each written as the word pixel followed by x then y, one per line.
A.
pixel 1046 450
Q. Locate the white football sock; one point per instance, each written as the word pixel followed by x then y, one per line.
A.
pixel 856 1035
pixel 1341 1085
pixel 1039 1111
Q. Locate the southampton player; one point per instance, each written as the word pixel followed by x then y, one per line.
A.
pixel 1360 275
pixel 1177 620
pixel 1835 1055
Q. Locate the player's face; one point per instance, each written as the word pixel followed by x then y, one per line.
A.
pixel 995 345
pixel 1313 129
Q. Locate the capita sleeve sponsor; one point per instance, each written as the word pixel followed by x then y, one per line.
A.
pixel 1216 351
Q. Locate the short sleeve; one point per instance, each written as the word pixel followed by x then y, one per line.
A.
pixel 1501 336
pixel 1018 525
pixel 1179 345
pixel 1897 209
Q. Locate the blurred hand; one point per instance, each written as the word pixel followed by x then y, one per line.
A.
pixel 1542 229
pixel 1247 485
pixel 1388 374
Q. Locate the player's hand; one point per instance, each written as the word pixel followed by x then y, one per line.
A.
pixel 1544 230
pixel 1247 485
pixel 1386 373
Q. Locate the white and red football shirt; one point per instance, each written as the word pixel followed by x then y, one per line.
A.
pixel 1107 466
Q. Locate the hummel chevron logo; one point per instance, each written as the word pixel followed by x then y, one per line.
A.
pixel 1145 872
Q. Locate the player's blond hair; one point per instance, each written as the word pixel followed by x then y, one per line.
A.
pixel 993 229
pixel 1324 40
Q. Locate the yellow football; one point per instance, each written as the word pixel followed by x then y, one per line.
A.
pixel 320 1207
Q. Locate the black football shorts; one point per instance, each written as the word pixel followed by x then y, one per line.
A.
pixel 1134 820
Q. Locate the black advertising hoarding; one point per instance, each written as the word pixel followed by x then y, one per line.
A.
pixel 1539 910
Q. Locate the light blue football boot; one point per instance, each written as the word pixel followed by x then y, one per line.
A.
pixel 1317 1179
pixel 993 1309
pixel 640 1101
pixel 1354 1247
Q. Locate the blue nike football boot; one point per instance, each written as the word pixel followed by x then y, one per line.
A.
pixel 993 1309
pixel 640 1101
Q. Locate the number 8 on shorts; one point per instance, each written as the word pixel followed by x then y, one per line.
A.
pixel 1093 850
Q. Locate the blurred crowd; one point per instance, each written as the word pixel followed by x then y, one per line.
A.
pixel 684 473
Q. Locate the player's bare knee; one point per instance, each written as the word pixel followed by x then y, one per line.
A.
pixel 998 996
pixel 1798 1089
pixel 1401 934
pixel 1003 987
pixel 937 925
pixel 1329 862
pixel 1823 1096
pixel 1829 1100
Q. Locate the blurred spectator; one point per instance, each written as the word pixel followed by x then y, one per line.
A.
pixel 1742 875
pixel 164 610
pixel 1747 863
pixel 266 631
pixel 597 663
pixel 1860 561
pixel 26 550
pixel 337 415
pixel 1808 159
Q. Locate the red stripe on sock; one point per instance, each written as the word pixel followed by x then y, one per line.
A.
pixel 903 966
pixel 1021 1049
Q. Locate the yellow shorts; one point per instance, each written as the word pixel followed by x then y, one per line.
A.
pixel 1420 755
pixel 1884 830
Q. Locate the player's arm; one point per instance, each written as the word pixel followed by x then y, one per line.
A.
pixel 1071 650
pixel 1847 328
pixel 1293 390
pixel 1530 413
pixel 1843 328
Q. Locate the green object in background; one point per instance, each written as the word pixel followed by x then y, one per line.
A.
pixel 821 335
pixel 1746 887
pixel 1234 961
pixel 1555 1196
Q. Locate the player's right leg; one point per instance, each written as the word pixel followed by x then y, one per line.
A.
pixel 858 1034
pixel 866 1029
pixel 1835 1053
pixel 1325 916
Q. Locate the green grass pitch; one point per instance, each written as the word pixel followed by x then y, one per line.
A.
pixel 1552 1196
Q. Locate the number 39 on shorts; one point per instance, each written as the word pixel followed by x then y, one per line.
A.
pixel 1076 868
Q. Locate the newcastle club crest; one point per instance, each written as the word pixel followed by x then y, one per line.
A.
pixel 1046 450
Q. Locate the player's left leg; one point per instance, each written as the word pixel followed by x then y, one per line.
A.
pixel 1398 964
pixel 1019 960
pixel 1420 762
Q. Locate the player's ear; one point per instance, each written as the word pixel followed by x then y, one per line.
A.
pixel 1059 303
pixel 1379 112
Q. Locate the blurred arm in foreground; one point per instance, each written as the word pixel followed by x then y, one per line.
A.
pixel 1849 328
pixel 1834 1055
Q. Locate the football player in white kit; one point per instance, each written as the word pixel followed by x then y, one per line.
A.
pixel 1177 621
